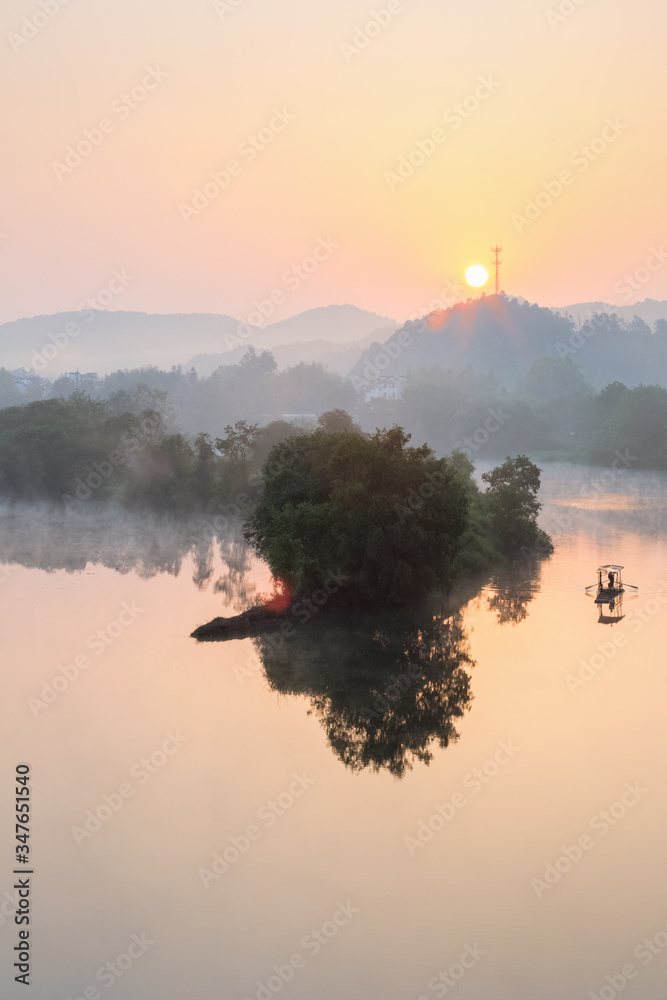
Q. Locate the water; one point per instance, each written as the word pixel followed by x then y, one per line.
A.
pixel 525 721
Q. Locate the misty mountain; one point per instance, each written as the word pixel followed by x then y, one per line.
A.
pixel 650 310
pixel 337 357
pixel 337 324
pixel 504 336
pixel 103 341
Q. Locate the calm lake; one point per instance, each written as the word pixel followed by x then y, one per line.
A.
pixel 466 800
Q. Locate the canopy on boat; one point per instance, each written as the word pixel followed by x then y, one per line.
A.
pixel 606 569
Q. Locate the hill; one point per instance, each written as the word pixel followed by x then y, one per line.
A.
pixel 337 357
pixel 650 311
pixel 504 336
pixel 105 341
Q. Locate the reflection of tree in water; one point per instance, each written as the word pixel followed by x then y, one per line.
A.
pixel 52 539
pixel 386 687
pixel 513 588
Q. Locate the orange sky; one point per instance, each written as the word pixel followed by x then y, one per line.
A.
pixel 334 110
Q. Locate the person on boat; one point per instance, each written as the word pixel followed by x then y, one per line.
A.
pixel 611 580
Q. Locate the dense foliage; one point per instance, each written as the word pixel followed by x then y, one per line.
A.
pixel 511 500
pixel 386 516
pixel 553 414
pixel 506 336
pixel 77 449
pixel 391 521
pixel 551 411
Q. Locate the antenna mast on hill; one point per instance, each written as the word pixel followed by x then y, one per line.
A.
pixel 496 251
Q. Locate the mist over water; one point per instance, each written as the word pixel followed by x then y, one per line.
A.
pixel 430 772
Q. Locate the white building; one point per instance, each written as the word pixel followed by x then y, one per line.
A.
pixel 82 378
pixel 385 387
pixel 25 379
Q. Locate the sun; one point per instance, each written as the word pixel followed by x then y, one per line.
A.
pixel 477 276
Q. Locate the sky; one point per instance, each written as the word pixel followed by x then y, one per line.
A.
pixel 365 153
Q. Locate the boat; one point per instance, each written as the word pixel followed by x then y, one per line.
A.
pixel 610 584
pixel 610 590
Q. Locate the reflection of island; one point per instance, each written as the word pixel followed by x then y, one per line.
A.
pixel 52 538
pixel 386 686
pixel 512 589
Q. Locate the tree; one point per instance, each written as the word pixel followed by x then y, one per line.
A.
pixel 240 439
pixel 384 517
pixel 555 380
pixel 337 422
pixel 511 498
pixel 254 364
pixel 10 394
pixel 204 469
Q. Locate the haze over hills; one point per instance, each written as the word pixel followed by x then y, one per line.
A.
pixel 338 357
pixel 501 335
pixel 337 324
pixel 650 310
pixel 104 341
pixel 504 336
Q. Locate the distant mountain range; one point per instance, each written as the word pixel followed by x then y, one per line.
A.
pixel 503 336
pixel 649 310
pixel 105 341
pixel 337 357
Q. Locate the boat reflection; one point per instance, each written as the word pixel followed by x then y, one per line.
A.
pixel 612 612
